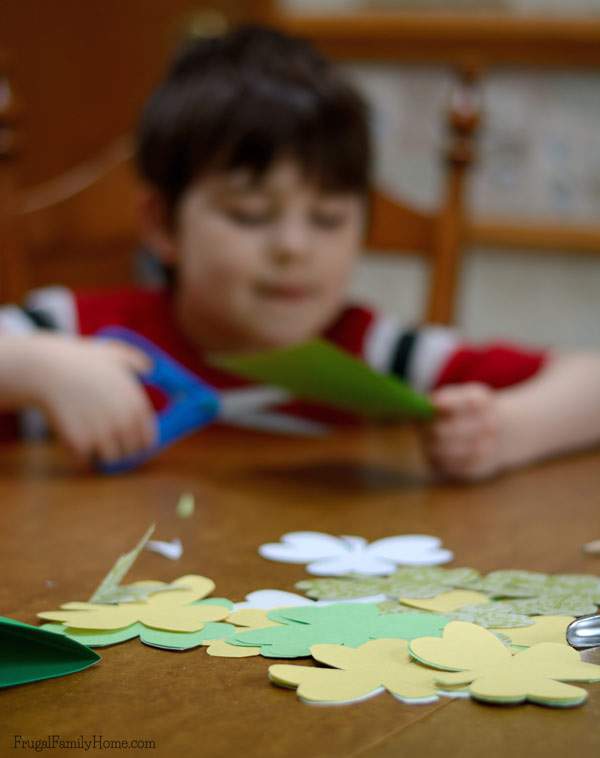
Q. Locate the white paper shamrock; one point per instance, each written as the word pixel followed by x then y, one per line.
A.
pixel 268 599
pixel 327 555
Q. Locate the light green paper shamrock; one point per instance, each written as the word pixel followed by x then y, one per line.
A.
pixel 423 582
pixel 349 624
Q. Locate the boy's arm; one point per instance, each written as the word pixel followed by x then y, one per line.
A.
pixel 480 431
pixel 556 411
pixel 87 388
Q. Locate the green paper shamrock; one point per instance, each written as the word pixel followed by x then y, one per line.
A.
pixel 423 582
pixel 349 624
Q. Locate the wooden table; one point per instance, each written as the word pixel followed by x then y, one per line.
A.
pixel 61 529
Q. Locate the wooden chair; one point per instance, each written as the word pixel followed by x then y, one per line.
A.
pixel 80 228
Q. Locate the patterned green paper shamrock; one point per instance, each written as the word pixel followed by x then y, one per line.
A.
pixel 349 624
pixel 578 584
pixel 552 605
pixel 423 582
pixel 510 583
pixel 488 615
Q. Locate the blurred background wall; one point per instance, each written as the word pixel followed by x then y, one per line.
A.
pixel 538 157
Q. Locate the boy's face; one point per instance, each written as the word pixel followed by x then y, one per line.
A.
pixel 262 263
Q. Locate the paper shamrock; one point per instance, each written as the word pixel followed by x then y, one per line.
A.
pixel 426 581
pixel 447 602
pixel 271 599
pixel 488 615
pixel 268 599
pixel 493 674
pixel 327 555
pixel 170 611
pixel 553 605
pixel 152 637
pixel 30 654
pixel 252 618
pixel 345 624
pixel 541 629
pixel 530 584
pixel 358 673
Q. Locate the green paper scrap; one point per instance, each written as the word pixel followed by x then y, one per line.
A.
pixel 109 590
pixel 320 372
pixel 30 654
pixel 186 505
pixel 349 624
pixel 152 637
pixel 422 582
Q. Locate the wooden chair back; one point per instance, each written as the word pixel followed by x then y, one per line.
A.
pixel 80 228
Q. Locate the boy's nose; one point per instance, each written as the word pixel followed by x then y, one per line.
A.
pixel 290 242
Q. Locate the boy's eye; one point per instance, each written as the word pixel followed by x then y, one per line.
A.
pixel 249 218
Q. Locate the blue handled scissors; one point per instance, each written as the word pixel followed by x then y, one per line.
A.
pixel 193 404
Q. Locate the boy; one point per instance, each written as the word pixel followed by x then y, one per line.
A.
pixel 256 161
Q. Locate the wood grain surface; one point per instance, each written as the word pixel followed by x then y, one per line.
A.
pixel 61 528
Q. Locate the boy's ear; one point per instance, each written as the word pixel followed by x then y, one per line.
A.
pixel 156 226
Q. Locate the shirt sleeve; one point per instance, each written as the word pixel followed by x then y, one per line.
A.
pixel 428 357
pixel 51 308
pixel 499 364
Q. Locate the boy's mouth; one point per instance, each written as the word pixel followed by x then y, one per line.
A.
pixel 289 292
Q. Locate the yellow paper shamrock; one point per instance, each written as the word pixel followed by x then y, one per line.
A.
pixel 250 618
pixel 496 675
pixel 543 629
pixel 168 610
pixel 359 673
pixel 446 602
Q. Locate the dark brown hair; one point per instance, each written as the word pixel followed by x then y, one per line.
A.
pixel 246 98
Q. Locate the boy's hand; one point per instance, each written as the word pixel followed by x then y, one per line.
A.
pixel 466 438
pixel 91 395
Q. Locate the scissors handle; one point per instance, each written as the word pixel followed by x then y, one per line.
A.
pixel 192 403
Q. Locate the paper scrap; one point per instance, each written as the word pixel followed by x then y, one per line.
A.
pixel 479 659
pixel 186 505
pixel 30 654
pixel 320 372
pixel 359 673
pixel 172 550
pixel 327 555
pixel 108 588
